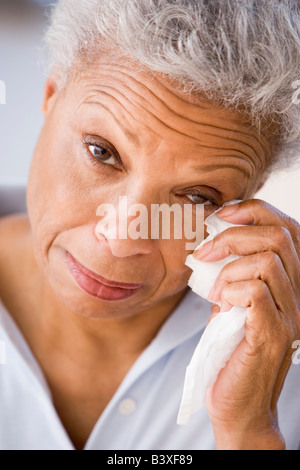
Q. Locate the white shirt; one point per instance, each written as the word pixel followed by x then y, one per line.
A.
pixel 143 412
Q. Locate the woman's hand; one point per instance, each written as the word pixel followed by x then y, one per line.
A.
pixel 266 280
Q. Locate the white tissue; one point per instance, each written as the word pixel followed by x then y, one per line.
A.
pixel 221 336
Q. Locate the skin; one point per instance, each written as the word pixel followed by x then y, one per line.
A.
pixel 171 145
pixel 266 282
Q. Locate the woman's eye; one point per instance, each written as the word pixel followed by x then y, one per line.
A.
pixel 102 155
pixel 197 199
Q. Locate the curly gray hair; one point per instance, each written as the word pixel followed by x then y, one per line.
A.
pixel 238 53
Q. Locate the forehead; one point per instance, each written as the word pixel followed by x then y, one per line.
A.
pixel 140 99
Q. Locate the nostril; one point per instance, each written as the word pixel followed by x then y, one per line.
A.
pixel 104 232
pixel 100 236
pixel 98 233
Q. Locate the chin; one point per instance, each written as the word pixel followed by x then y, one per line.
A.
pixel 85 305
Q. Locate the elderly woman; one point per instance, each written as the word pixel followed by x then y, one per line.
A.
pixel 161 101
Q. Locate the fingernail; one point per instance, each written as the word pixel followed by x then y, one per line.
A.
pixel 204 250
pixel 228 211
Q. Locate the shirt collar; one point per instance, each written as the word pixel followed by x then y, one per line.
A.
pixel 188 319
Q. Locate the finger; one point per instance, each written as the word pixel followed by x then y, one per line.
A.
pixel 258 212
pixel 255 296
pixel 243 241
pixel 265 326
pixel 266 267
pixel 260 355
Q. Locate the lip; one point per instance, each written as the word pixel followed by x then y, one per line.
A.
pixel 98 286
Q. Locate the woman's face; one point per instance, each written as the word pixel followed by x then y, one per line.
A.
pixel 113 132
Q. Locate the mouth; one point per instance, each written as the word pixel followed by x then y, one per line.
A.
pixel 97 286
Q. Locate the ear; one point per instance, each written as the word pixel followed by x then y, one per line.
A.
pixel 51 92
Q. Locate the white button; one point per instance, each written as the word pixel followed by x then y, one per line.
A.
pixel 127 406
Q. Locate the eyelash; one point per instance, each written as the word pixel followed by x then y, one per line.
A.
pixel 94 160
pixel 87 143
pixel 212 201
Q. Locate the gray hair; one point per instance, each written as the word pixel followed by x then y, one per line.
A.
pixel 238 53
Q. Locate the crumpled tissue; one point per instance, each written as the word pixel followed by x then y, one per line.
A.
pixel 222 334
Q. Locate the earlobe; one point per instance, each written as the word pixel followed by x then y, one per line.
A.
pixel 50 94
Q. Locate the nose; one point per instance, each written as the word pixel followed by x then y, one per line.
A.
pixel 125 228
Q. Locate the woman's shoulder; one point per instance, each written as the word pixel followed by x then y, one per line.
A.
pixel 12 229
pixel 13 234
pixel 13 220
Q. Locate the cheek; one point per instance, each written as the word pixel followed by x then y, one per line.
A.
pixel 54 184
pixel 174 254
pixel 61 194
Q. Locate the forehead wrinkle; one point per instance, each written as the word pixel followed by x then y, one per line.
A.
pixel 153 92
pixel 204 106
pixel 235 159
pixel 199 143
pixel 202 146
pixel 161 102
pixel 236 156
pixel 252 143
pixel 92 99
pixel 131 136
pixel 123 101
pixel 214 167
pixel 137 140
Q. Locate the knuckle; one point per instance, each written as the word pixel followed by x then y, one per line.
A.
pixel 225 240
pixel 259 203
pixel 230 236
pixel 227 234
pixel 227 291
pixel 282 234
pixel 258 290
pixel 295 231
pixel 269 261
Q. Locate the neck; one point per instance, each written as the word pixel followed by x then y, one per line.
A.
pixel 101 337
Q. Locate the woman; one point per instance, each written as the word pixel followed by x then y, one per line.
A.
pixel 162 102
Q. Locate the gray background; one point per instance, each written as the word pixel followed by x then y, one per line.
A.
pixel 22 23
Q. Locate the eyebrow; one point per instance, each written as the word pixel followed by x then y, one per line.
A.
pixel 130 135
pixel 212 167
